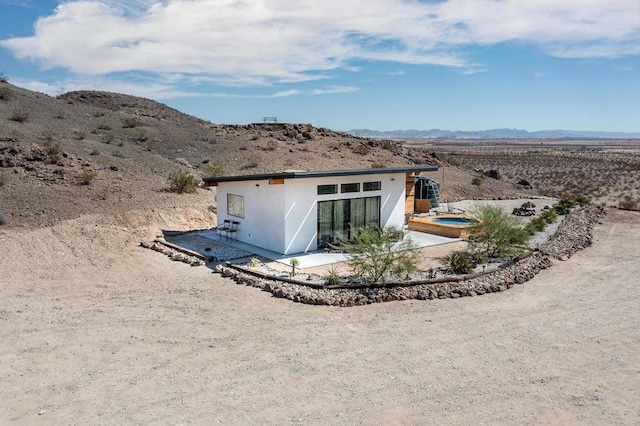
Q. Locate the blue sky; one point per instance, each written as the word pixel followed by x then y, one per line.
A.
pixel 343 64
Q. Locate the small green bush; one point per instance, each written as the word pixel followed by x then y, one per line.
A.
pixel 549 216
pixel 3 179
pixel 458 263
pixel 333 277
pixel 182 182
pixel 477 181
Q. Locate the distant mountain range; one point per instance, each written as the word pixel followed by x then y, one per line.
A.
pixel 493 134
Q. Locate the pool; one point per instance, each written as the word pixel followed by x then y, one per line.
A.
pixel 446 226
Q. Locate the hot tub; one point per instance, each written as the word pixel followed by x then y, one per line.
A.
pixel 451 226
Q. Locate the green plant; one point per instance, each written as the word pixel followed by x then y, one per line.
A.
pixel 294 264
pixel 549 216
pixel 181 182
pixel 458 263
pixel 333 277
pixel 108 137
pixel 20 114
pixel 6 94
pixel 378 166
pixel 3 179
pixel 535 225
pixel 495 233
pixel 477 181
pixel 87 176
pixel 375 255
pixel 254 262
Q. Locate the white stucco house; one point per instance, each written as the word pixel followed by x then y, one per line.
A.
pixel 301 211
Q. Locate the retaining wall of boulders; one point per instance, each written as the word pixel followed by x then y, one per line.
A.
pixel 575 233
pixel 175 253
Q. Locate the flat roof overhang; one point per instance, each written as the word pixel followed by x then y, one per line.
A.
pixel 214 180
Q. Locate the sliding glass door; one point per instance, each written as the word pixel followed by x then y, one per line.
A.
pixel 338 219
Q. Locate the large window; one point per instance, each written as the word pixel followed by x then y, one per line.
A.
pixel 350 187
pixel 235 205
pixel 338 219
pixel 327 189
pixel 372 186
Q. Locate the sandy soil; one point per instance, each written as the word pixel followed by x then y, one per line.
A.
pixel 98 331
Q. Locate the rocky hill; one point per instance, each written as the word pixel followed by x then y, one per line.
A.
pixel 96 152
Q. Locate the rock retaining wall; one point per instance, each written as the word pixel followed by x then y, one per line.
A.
pixel 574 234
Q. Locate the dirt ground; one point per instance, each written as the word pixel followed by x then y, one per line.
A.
pixel 96 330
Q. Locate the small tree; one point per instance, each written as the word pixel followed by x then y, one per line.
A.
pixel 294 264
pixel 376 255
pixel 496 233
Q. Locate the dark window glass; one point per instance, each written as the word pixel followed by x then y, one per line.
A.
pixel 350 187
pixel 327 189
pixel 372 186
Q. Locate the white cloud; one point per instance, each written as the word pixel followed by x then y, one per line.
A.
pixel 261 42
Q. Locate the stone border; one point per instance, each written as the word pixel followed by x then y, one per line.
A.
pixel 575 233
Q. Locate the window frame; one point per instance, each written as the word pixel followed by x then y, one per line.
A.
pixel 326 186
pixel 346 185
pixel 235 208
pixel 377 183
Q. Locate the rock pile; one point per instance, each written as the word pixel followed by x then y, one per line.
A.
pixel 574 235
pixel 173 254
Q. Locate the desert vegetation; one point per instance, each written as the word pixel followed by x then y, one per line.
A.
pixel 607 173
pixel 182 182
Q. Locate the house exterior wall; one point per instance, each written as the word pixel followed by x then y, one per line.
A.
pixel 284 218
pixel 264 218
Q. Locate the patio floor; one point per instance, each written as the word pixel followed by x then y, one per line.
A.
pixel 310 259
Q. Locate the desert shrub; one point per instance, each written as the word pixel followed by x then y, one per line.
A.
pixel 108 137
pixel 95 152
pixel 79 134
pixel 388 145
pixel 375 255
pixel 628 203
pixel 271 146
pixel 3 179
pixel 252 162
pixel 3 78
pixel 3 219
pixel 104 126
pixel 378 166
pixel 496 233
pixel 182 182
pixel 213 169
pixel 119 154
pixel 54 151
pixel 98 113
pixel 182 161
pixel 361 150
pixel 130 122
pixel 458 263
pixel 141 135
pixel 477 181
pixel 6 94
pixel 255 137
pixel 86 176
pixel 20 114
pixel 254 262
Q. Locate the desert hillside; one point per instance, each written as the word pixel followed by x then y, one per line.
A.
pixel 96 152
